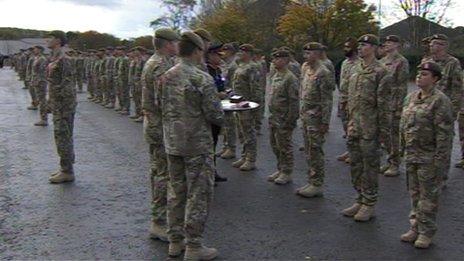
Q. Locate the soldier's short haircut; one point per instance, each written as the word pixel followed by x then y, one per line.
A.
pixel 187 48
pixel 159 42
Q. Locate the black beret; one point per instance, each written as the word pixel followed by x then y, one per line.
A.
pixel 193 38
pixel 280 53
pixel 204 34
pixel 430 66
pixel 109 48
pixel 215 48
pixel 40 47
pixel 313 46
pixel 167 34
pixel 439 37
pixel 370 39
pixel 59 35
pixel 393 38
pixel 247 48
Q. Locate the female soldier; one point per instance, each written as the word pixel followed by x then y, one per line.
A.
pixel 426 130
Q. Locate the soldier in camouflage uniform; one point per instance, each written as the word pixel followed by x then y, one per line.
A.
pixel 350 49
pixel 136 73
pixel 190 105
pixel 426 133
pixel 90 71
pixel 368 126
pixel 284 109
pixel 165 42
pixel 121 66
pixel 22 65
pixel 28 81
pixel 63 106
pixel 246 83
pixel 230 126
pixel 261 66
pixel 316 103
pixel 79 70
pixel 398 67
pixel 451 83
pixel 100 73
pixel 110 84
pixel 39 83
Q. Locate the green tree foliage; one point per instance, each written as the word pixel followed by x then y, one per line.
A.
pixel 178 16
pixel 10 33
pixel 433 10
pixel 328 22
pixel 93 40
pixel 244 21
pixel 145 41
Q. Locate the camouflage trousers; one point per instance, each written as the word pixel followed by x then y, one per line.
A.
pixel 122 92
pixel 40 89
pixel 281 143
pixel 109 92
pixel 137 96
pixel 424 188
pixel 246 125
pixel 365 168
pixel 393 146
pixel 91 85
pixel 190 192
pixel 314 144
pixel 63 127
pixel 461 132
pixel 343 114
pixel 32 93
pixel 259 116
pixel 159 178
pixel 229 131
pixel 99 88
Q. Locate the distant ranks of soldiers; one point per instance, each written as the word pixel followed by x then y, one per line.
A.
pixel 112 76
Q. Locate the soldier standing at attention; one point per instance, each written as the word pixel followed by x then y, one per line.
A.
pixel 284 111
pixel 368 126
pixel 137 96
pixel 79 71
pixel 109 92
pixel 63 105
pixel 165 42
pixel 100 71
pixel 351 53
pixel 121 65
pixel 398 67
pixel 246 83
pixel 426 133
pixel 28 80
pixel 91 79
pixel 190 105
pixel 230 125
pixel 451 82
pixel 39 83
pixel 316 104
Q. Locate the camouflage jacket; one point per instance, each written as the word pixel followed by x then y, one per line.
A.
pixel 62 95
pixel 153 69
pixel 246 82
pixel 29 63
pixel 189 106
pixel 426 128
pixel 295 68
pixel 316 95
pixel 80 66
pixel 329 65
pixel 369 101
pixel 229 70
pixel 398 67
pixel 109 63
pixel 130 72
pixel 39 69
pixel 346 71
pixel 101 70
pixel 284 102
pixel 451 82
pixel 121 67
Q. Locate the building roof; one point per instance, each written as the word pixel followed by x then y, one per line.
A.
pixel 8 47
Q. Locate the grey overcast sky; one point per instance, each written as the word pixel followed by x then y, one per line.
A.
pixel 123 18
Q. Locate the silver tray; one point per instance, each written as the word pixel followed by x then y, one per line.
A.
pixel 228 106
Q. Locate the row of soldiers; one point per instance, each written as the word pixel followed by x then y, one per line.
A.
pixel 112 76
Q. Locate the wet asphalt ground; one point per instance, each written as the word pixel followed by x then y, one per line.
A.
pixel 105 213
